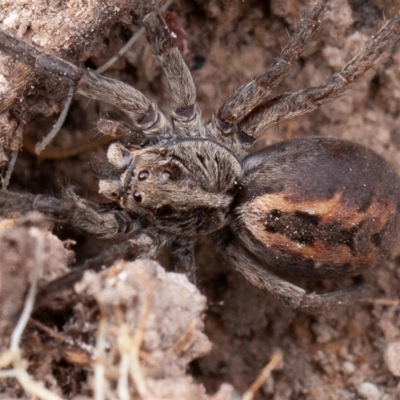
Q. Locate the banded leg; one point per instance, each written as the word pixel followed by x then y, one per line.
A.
pixel 145 244
pixel 117 130
pixel 184 110
pixel 248 96
pixel 88 218
pixel 144 114
pixel 289 294
pixel 307 100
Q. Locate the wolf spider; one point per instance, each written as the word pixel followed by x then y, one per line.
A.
pixel 313 207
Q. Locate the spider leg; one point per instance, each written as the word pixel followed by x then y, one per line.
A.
pixel 291 295
pixel 145 244
pixel 248 96
pixel 88 218
pixel 121 131
pixel 144 114
pixel 182 255
pixel 307 100
pixel 185 113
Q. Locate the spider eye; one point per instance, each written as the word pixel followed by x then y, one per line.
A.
pixel 143 175
pixel 166 175
pixel 137 196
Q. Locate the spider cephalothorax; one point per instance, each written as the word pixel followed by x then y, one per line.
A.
pixel 183 187
pixel 313 207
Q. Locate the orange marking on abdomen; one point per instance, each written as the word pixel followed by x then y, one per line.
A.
pixel 326 246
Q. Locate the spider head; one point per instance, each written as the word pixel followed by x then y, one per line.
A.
pixel 143 175
pixel 182 181
pixel 150 181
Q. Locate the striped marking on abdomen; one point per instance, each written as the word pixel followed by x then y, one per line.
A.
pixel 325 231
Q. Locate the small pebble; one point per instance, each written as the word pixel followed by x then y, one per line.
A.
pixel 392 358
pixel 348 367
pixel 369 391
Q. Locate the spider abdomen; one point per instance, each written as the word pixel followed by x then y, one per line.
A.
pixel 317 207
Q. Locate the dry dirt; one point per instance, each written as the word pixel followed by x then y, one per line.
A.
pixel 352 354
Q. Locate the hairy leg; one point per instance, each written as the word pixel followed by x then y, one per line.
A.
pixel 182 257
pixel 185 113
pixel 307 100
pixel 142 112
pixel 248 96
pixel 102 222
pixel 289 294
pixel 145 244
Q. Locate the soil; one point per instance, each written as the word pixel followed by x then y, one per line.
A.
pixel 165 324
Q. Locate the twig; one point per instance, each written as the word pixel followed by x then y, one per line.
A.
pixel 275 362
pixel 40 146
pixel 186 340
pixel 10 169
pixel 135 368
pixel 386 302
pixel 30 299
pixel 64 153
pixel 124 345
pixel 99 367
pixel 51 332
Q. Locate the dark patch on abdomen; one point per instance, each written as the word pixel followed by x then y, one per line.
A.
pixel 305 228
pixel 308 218
pixel 297 226
pixel 347 237
pixel 376 239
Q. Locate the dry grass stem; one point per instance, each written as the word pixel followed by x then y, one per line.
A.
pixel 10 168
pixel 99 365
pixel 274 363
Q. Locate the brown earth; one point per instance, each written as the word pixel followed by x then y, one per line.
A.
pixel 348 354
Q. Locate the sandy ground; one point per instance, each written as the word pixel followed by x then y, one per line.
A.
pixel 349 354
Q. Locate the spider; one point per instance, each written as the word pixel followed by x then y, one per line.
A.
pixel 313 207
